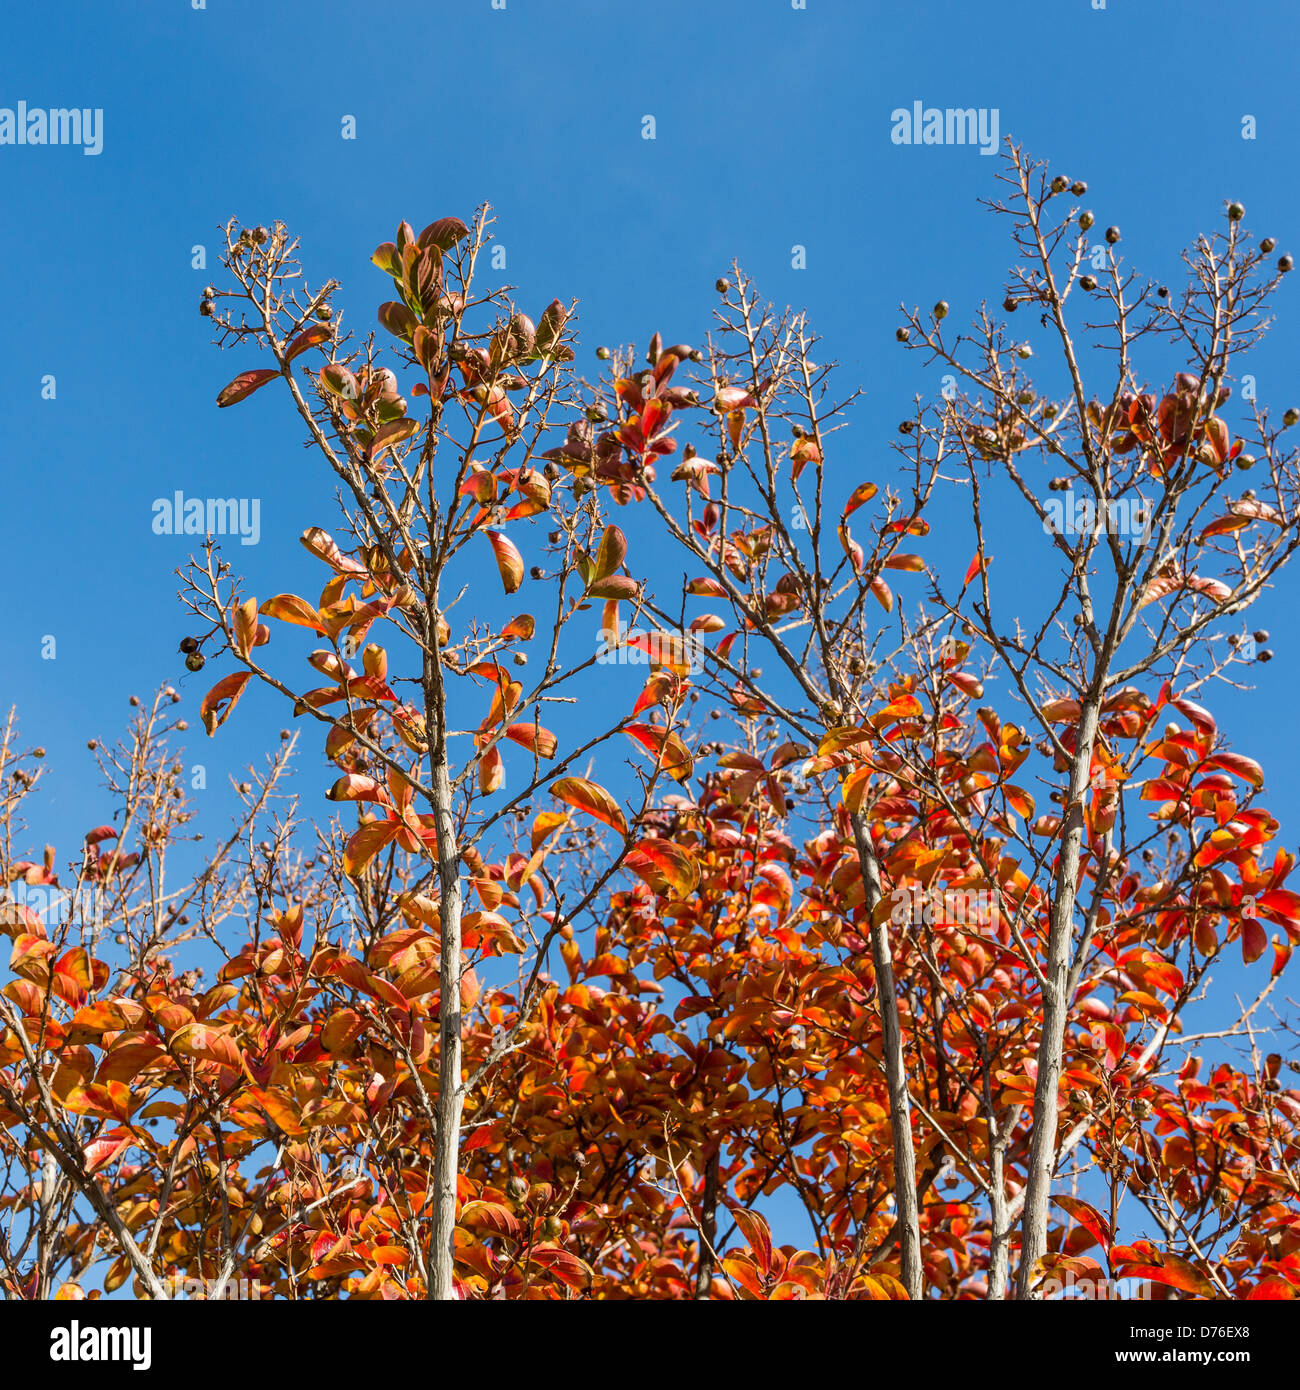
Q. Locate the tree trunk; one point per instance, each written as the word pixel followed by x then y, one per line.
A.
pixel 907 1221
pixel 708 1226
pixel 1000 1221
pixel 450 1099
pixel 1056 1008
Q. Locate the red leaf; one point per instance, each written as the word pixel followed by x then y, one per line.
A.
pixel 567 1268
pixel 1254 940
pixel 245 384
pixel 310 338
pixel 1088 1217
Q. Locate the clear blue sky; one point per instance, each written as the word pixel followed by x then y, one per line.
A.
pixel 773 129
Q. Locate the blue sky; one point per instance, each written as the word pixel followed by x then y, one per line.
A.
pixel 772 129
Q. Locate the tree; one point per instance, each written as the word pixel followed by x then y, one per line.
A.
pixel 1149 582
pixel 1151 613
pixel 840 952
pixel 413 522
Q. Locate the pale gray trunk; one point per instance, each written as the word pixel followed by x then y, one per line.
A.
pixel 1056 1008
pixel 450 1099
pixel 1000 1220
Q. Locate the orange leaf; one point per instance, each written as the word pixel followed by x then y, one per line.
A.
pixel 497 1217
pixel 366 843
pixel 510 562
pixel 759 1238
pixel 664 866
pixel 534 738
pixel 289 608
pixel 226 692
pixel 591 798
pixel 672 755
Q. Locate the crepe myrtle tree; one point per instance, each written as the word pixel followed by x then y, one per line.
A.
pixel 1146 580
pixel 438 495
pixel 1161 553
pixel 115 920
pixel 764 536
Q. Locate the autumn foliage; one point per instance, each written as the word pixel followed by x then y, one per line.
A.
pixel 595 976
